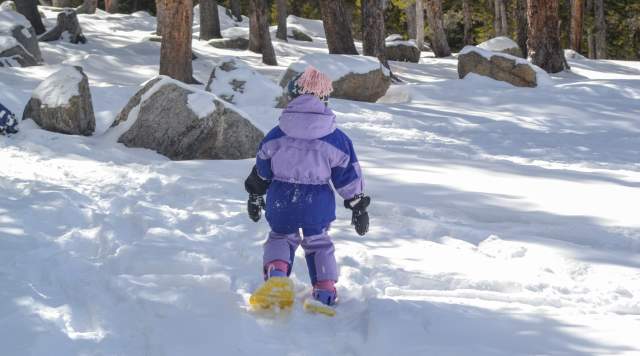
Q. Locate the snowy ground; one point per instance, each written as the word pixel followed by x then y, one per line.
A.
pixel 504 220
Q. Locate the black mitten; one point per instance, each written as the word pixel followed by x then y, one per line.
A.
pixel 360 217
pixel 255 204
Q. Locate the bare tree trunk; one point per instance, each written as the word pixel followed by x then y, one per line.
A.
pixel 420 23
pixel 337 27
pixel 504 26
pixel 111 6
pixel 373 29
pixel 410 13
pixel 281 6
pixel 468 22
pixel 209 20
pixel 600 30
pixel 88 7
pixel 236 9
pixel 160 17
pixel 544 35
pixel 577 17
pixel 522 24
pixel 259 36
pixel 439 42
pixel 500 23
pixel 29 8
pixel 175 51
pixel 61 3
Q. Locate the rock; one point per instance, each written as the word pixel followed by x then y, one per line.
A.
pixel 299 35
pixel 182 123
pixel 403 51
pixel 235 82
pixel 67 26
pixel 572 54
pixel 498 66
pixel 62 103
pixel 354 77
pixel 502 44
pixel 8 5
pixel 13 54
pixel 240 43
pixel 13 24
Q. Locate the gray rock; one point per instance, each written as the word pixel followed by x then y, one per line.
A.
pixel 74 117
pixel 67 22
pixel 369 86
pixel 20 29
pixel 17 54
pixel 402 51
pixel 165 123
pixel 240 43
pixel 300 36
pixel 498 67
pixel 502 44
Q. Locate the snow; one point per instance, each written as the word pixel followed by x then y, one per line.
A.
pixel 498 44
pixel 394 37
pixel 542 77
pixel 10 19
pixel 571 54
pixel 201 103
pixel 337 66
pixel 7 42
pixel 234 32
pixel 409 43
pixel 314 28
pixel 503 222
pixel 57 89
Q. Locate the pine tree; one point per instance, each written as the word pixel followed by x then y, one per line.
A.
pixel 544 35
pixel 468 22
pixel 373 28
pixel 522 25
pixel 281 6
pixel 236 9
pixel 577 16
pixel 259 36
pixel 88 7
pixel 175 51
pixel 420 23
pixel 439 42
pixel 111 6
pixel 29 8
pixel 337 27
pixel 600 30
pixel 209 20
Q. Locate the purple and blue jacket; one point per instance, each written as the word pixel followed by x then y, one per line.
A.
pixel 301 157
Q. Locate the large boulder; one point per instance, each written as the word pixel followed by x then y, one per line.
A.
pixel 67 28
pixel 358 78
pixel 403 51
pixel 235 82
pixel 13 24
pixel 499 66
pixel 62 103
pixel 240 43
pixel 182 123
pixel 502 44
pixel 298 35
pixel 13 54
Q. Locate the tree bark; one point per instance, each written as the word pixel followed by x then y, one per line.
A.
pixel 600 35
pixel 373 30
pixel 29 8
pixel 88 7
pixel 420 23
pixel 544 35
pixel 439 42
pixel 236 10
pixel 522 24
pixel 500 23
pixel 209 20
pixel 468 22
pixel 337 27
pixel 410 13
pixel 111 6
pixel 503 18
pixel 160 17
pixel 577 18
pixel 60 3
pixel 175 51
pixel 259 36
pixel 281 6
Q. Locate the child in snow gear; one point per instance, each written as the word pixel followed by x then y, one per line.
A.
pixel 296 163
pixel 8 122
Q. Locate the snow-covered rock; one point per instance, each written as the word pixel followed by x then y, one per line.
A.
pixel 298 35
pixel 234 81
pixel 502 44
pixel 314 28
pixel 500 66
pixel 13 54
pixel 67 27
pixel 14 24
pixel 240 43
pixel 403 51
pixel 62 103
pixel 354 77
pixel 183 123
pixel 572 54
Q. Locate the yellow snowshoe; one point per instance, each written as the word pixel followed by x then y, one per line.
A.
pixel 275 292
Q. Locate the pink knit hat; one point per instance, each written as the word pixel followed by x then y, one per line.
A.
pixel 311 81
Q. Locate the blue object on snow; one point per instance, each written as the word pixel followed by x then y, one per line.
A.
pixel 8 121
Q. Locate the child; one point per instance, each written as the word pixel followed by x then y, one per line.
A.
pixel 296 162
pixel 8 122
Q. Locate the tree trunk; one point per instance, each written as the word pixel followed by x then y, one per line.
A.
pixel 111 6
pixel 175 51
pixel 160 17
pixel 282 19
pixel 503 18
pixel 259 36
pixel 439 42
pixel 500 23
pixel 420 23
pixel 60 3
pixel 337 27
pixel 209 20
pixel 88 7
pixel 373 30
pixel 600 30
pixel 29 8
pixel 468 22
pixel 236 10
pixel 410 13
pixel 522 25
pixel 544 35
pixel 577 16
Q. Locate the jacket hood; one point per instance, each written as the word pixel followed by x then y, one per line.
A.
pixel 307 117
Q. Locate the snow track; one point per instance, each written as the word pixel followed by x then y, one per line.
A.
pixel 504 220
